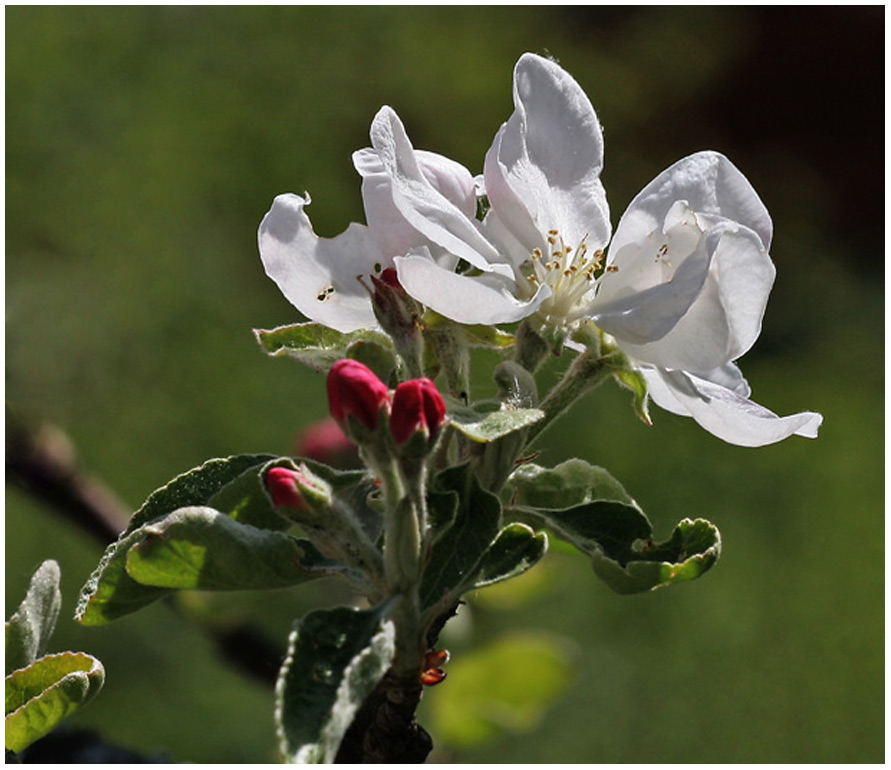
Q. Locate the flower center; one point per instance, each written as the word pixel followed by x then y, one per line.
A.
pixel 569 271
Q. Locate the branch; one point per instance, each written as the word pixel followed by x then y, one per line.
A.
pixel 42 462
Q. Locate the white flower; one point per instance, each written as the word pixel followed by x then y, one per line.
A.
pixel 690 370
pixel 322 277
pixel 682 291
pixel 540 248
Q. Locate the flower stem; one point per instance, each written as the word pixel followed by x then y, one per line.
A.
pixel 402 547
pixel 585 373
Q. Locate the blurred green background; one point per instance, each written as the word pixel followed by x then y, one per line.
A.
pixel 145 144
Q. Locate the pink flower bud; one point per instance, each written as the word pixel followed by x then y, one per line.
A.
pixel 353 389
pixel 325 441
pixel 282 484
pixel 416 405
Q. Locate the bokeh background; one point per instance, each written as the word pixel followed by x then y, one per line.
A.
pixel 143 147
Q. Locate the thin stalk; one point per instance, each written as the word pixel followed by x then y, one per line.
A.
pixel 585 373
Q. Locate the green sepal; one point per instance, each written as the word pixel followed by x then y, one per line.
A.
pixel 476 335
pixel 42 694
pixel 317 345
pixel 515 549
pixel 32 624
pixel 336 657
pixel 692 549
pixel 455 557
pixel 200 548
pixel 634 381
pixel 487 421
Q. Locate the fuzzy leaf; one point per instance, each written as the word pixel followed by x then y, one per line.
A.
pixel 335 659
pixel 203 549
pixel 515 549
pixel 692 549
pixel 316 345
pixel 455 558
pixel 587 507
pixel 195 487
pixel 110 592
pixel 574 482
pixel 41 695
pixel 486 422
pixel 32 624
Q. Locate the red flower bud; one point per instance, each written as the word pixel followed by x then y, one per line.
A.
pixel 283 489
pixel 390 278
pixel 353 389
pixel 416 405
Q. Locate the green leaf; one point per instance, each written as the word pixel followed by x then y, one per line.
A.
pixel 587 507
pixel 484 422
pixel 110 592
pixel 316 345
pixel 335 659
pixel 574 482
pixel 195 487
pixel 32 624
pixel 201 548
pixel 692 549
pixel 379 358
pixel 41 695
pixel 246 501
pixel 455 558
pixel 515 549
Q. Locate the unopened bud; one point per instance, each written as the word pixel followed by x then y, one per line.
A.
pixel 399 316
pixel 297 490
pixel 353 389
pixel 417 405
pixel 325 442
pixel 284 489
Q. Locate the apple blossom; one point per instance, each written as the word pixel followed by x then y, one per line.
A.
pixel 681 292
pixel 323 277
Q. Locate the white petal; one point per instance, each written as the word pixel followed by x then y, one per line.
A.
pixel 488 298
pixel 319 275
pixel 710 184
pixel 655 284
pixel 450 178
pixel 725 319
pixel 543 170
pixel 423 206
pixel 728 415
